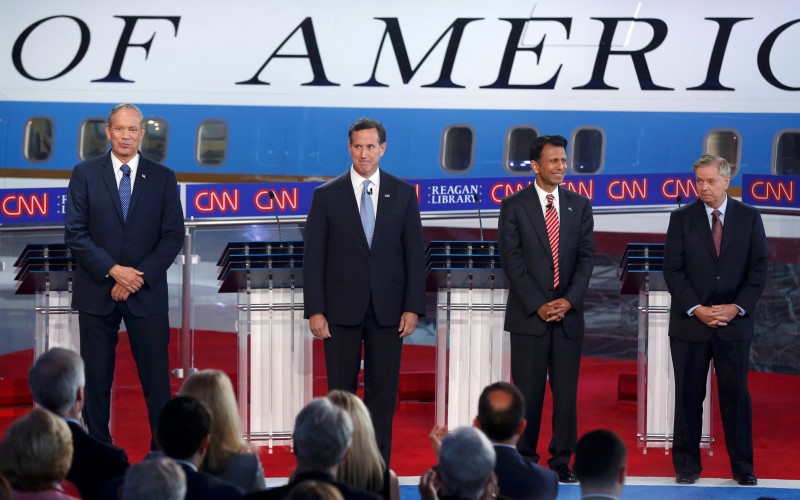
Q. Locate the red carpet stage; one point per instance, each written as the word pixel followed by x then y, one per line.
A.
pixel 775 409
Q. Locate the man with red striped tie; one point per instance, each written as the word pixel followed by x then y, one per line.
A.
pixel 545 237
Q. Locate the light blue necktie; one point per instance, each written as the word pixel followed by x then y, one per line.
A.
pixel 125 190
pixel 367 213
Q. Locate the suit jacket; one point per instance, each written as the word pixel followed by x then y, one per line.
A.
pixel 93 463
pixel 520 479
pixel 695 275
pixel 97 237
pixel 340 271
pixel 201 486
pixel 245 471
pixel 348 492
pixel 528 261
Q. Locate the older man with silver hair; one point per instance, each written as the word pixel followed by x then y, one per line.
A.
pixel 57 383
pixel 465 470
pixel 157 477
pixel 323 434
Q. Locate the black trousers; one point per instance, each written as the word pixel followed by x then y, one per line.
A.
pixel 149 339
pixel 382 348
pixel 533 358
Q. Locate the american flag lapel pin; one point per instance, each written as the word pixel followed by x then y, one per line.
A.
pixel 144 176
pixel 387 195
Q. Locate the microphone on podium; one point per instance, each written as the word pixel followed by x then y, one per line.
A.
pixel 277 219
pixel 477 199
pixel 679 200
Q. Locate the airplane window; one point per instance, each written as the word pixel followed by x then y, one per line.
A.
pixel 212 142
pixel 588 150
pixel 458 148
pixel 154 144
pixel 518 149
pixel 725 143
pixel 38 139
pixel 787 153
pixel 93 140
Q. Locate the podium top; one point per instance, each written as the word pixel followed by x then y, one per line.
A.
pixel 461 248
pixel 260 248
pixel 238 262
pixel 42 250
pixel 642 263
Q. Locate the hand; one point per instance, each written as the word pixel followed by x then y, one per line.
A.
pixel 319 326
pixel 435 437
pixel 555 310
pixel 127 277
pixel 429 485
pixel 408 323
pixel 491 489
pixel 118 293
pixel 716 316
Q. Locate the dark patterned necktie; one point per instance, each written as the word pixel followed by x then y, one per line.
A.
pixel 716 230
pixel 551 220
pixel 125 190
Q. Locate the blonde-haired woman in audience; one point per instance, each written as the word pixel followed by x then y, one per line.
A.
pixel 35 456
pixel 229 458
pixel 364 467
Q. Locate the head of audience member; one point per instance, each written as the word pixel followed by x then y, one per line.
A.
pixel 183 429
pixel 600 459
pixel 322 436
pixel 314 490
pixel 36 451
pixel 364 466
pixel 466 463
pixel 501 413
pixel 214 389
pixel 157 477
pixel 57 382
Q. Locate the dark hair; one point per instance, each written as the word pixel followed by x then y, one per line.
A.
pixel 365 124
pixel 599 457
pixel 182 425
pixel 500 424
pixel 538 145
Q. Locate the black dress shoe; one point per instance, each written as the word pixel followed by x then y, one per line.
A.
pixel 747 479
pixel 565 475
pixel 687 477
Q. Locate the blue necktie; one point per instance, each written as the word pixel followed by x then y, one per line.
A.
pixel 125 190
pixel 367 213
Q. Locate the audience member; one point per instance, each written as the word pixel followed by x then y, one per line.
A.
pixel 183 432
pixel 322 437
pixel 315 490
pixel 5 488
pixel 600 459
pixel 501 410
pixel 228 457
pixel 465 470
pixel 57 382
pixel 364 467
pixel 155 478
pixel 35 455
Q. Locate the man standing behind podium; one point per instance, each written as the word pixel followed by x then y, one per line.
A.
pixel 124 225
pixel 715 267
pixel 364 274
pixel 546 243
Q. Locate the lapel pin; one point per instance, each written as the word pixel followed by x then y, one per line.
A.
pixel 569 208
pixel 144 176
pixel 387 195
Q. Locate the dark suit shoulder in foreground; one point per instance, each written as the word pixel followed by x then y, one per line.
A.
pixel 520 479
pixel 93 463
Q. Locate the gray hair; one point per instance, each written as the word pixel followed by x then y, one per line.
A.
pixel 157 477
pixel 322 434
pixel 120 107
pixel 466 462
pixel 55 378
pixel 708 160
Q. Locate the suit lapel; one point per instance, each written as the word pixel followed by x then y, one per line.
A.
pixel 110 181
pixel 387 194
pixel 347 197
pixel 701 218
pixel 140 185
pixel 533 208
pixel 565 215
pixel 730 220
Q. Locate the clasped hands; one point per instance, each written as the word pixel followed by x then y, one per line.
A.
pixel 128 281
pixel 718 315
pixel 554 310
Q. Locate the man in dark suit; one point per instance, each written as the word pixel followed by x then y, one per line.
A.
pixel 715 267
pixel 183 431
pixel 323 433
pixel 124 226
pixel 57 384
pixel 364 275
pixel 545 237
pixel 501 410
pixel 600 465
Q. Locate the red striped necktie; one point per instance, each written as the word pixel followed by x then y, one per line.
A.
pixel 551 220
pixel 716 230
